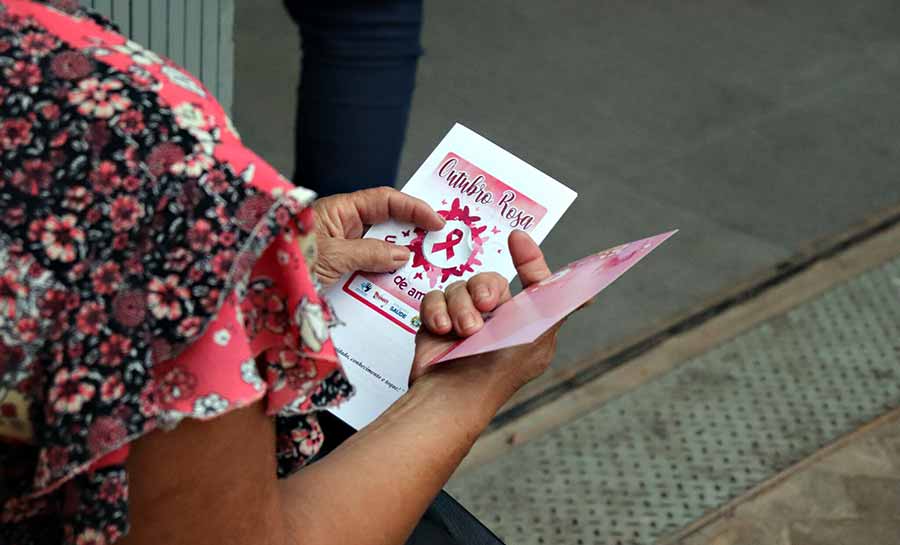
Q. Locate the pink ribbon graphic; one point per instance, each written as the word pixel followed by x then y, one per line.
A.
pixel 454 237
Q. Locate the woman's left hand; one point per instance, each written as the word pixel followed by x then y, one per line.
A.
pixel 341 221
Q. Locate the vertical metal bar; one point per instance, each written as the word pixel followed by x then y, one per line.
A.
pixel 176 28
pixel 210 44
pixel 218 49
pixel 193 35
pixel 197 34
pixel 140 21
pixel 158 22
pixel 104 7
pixel 120 13
pixel 199 71
pixel 225 77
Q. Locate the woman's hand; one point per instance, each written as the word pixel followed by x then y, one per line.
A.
pixel 457 313
pixel 341 221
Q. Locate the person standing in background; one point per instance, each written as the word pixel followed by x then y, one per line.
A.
pixel 357 78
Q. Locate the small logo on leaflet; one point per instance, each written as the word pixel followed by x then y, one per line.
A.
pixel 380 298
pixel 398 312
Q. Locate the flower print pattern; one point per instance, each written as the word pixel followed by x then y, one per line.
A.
pixel 99 98
pixel 181 79
pixel 138 54
pixel 188 116
pixel 266 310
pixel 128 233
pixel 129 308
pixel 71 65
pixel 91 318
pixel 310 317
pixel 125 212
pixel 201 236
pixel 221 337
pixel 193 165
pixel 167 297
pixel 308 440
pixel 77 199
pixel 163 156
pixel 250 375
pixel 106 434
pixel 107 278
pixel 60 237
pixel 112 489
pixel 33 178
pixel 11 290
pixel 38 44
pixel 298 371
pixel 112 389
pixel 23 74
pixel 178 383
pixel 129 122
pixel 206 141
pixel 91 537
pixel 15 132
pixel 115 350
pixel 71 390
pixel 143 79
pixel 210 405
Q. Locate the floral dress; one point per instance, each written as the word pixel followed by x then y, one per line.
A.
pixel 152 269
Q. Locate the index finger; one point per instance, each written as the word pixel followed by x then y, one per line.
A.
pixel 528 258
pixel 380 204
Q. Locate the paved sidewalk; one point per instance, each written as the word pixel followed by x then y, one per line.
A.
pixel 652 461
pixel 848 498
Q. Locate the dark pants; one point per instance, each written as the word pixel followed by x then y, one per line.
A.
pixel 356 83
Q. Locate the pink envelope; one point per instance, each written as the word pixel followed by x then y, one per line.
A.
pixel 523 319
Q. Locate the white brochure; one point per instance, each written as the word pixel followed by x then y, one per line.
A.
pixel 484 193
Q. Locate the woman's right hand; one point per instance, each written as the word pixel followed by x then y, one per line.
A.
pixel 457 313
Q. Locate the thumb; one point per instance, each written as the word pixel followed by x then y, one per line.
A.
pixel 366 254
pixel 527 258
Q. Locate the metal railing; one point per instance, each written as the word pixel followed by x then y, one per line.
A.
pixel 197 34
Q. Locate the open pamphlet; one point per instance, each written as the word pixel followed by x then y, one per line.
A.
pixel 484 193
pixel 528 315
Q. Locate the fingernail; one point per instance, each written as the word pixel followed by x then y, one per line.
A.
pixel 399 253
pixel 482 294
pixel 441 321
pixel 467 321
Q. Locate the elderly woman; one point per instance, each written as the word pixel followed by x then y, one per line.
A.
pixel 163 347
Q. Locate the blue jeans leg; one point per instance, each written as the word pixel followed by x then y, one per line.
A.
pixel 357 79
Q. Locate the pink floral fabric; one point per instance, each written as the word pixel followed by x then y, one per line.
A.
pixel 152 269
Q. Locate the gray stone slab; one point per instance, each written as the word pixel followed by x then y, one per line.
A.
pixel 848 498
pixel 650 462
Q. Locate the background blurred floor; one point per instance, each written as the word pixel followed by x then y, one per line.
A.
pixel 676 447
pixel 847 498
pixel 755 127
